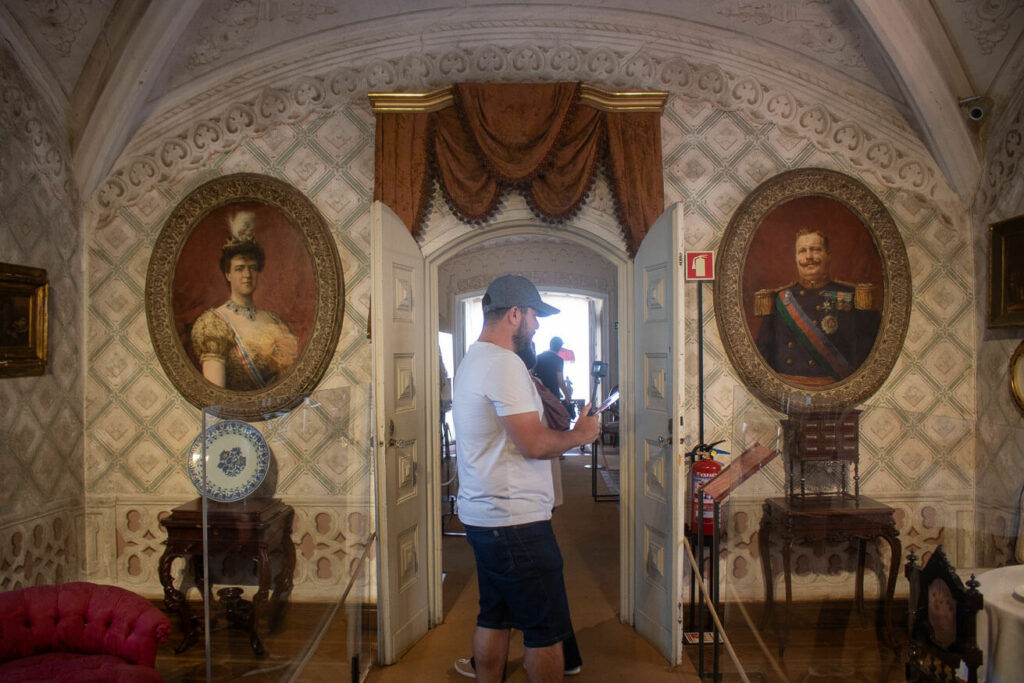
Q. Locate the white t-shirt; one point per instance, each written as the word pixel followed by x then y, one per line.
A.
pixel 498 485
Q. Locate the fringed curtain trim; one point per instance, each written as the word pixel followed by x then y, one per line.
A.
pixel 538 138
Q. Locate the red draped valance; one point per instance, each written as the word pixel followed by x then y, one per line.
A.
pixel 546 140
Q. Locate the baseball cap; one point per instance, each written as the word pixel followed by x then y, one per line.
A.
pixel 514 290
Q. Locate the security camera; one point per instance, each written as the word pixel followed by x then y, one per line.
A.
pixel 976 107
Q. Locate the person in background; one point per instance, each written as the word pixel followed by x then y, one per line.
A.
pixel 550 368
pixel 506 493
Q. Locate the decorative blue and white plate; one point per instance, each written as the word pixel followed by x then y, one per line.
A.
pixel 237 460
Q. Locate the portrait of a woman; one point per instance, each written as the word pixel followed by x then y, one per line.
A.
pixel 243 296
pixel 240 346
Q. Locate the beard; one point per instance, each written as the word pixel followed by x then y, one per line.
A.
pixel 522 337
pixel 528 356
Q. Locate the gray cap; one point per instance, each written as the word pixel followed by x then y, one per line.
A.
pixel 514 290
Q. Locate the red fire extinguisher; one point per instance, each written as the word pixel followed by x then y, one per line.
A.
pixel 703 470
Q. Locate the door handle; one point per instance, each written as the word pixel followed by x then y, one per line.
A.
pixel 400 443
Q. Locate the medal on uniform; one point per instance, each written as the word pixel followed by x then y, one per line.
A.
pixel 829 324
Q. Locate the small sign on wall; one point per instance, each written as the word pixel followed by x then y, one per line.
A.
pixel 700 265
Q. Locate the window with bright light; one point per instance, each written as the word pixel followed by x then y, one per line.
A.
pixel 572 324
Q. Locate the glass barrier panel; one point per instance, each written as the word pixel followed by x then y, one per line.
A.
pixel 810 578
pixel 283 540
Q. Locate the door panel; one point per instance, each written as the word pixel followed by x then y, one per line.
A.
pixel 398 329
pixel 657 367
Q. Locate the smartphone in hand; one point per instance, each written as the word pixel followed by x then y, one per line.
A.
pixel 607 403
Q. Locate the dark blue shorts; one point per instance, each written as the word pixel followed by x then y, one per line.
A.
pixel 519 571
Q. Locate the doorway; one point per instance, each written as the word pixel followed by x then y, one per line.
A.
pixel 585 274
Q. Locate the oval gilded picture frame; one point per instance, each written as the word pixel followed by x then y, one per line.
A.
pixel 761 236
pixel 301 283
pixel 1017 376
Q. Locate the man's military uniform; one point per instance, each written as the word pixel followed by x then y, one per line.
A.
pixel 823 333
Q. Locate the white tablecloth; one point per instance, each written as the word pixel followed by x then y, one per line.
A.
pixel 1001 625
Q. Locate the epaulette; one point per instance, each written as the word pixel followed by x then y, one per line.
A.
pixel 765 298
pixel 863 294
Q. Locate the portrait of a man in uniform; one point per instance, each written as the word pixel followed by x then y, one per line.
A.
pixel 817 324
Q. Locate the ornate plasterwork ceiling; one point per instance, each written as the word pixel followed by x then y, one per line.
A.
pixel 61 33
pixel 108 67
pixel 985 34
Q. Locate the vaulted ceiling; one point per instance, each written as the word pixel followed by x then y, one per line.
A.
pixel 952 67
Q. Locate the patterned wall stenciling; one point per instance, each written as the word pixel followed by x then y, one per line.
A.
pixel 886 151
pixel 713 158
pixel 1000 439
pixel 40 417
pixel 140 429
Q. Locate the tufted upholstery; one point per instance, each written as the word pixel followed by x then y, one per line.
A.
pixel 79 632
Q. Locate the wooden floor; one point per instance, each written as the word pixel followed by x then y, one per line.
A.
pixel 827 643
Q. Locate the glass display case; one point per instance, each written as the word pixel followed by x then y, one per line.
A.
pixel 279 541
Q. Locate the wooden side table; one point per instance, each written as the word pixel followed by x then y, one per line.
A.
pixel 833 519
pixel 251 528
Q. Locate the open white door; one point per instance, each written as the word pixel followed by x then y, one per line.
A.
pixel 657 367
pixel 398 331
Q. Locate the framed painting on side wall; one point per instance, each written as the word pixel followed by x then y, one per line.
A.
pixel 1006 273
pixel 24 293
pixel 813 293
pixel 245 296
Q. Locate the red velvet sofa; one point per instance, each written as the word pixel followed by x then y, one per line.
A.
pixel 77 632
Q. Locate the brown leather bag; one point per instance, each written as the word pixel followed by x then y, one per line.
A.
pixel 554 412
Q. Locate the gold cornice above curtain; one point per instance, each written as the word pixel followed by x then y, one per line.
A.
pixel 598 98
pixel 545 140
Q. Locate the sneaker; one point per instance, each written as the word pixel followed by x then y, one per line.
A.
pixel 574 671
pixel 464 665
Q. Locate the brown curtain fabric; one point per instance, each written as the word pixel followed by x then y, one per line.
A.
pixel 403 179
pixel 634 164
pixel 537 138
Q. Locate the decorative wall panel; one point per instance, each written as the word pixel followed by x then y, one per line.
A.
pixel 41 490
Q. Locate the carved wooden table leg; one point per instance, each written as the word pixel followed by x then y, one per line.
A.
pixel 260 599
pixel 284 580
pixel 787 568
pixel 891 535
pixel 858 589
pixel 175 600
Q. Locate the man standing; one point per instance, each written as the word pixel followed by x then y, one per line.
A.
pixel 549 369
pixel 505 489
pixel 816 331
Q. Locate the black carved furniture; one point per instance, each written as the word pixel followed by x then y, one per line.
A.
pixel 255 529
pixel 941 620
